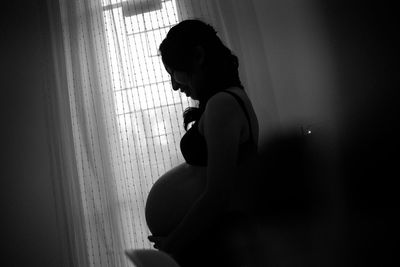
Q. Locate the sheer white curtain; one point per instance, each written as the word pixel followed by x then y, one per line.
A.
pixel 120 121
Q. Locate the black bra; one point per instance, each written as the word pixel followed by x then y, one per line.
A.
pixel 194 147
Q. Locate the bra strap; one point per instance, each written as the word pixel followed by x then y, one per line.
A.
pixel 241 103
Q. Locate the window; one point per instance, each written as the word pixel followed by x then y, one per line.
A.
pixel 148 111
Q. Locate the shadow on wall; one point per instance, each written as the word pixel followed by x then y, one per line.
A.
pixel 362 39
pixel 354 167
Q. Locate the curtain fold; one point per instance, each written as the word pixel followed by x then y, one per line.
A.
pixel 93 126
pixel 67 189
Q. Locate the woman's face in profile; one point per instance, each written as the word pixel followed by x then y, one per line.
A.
pixel 183 81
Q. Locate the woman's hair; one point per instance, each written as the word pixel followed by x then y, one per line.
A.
pixel 220 65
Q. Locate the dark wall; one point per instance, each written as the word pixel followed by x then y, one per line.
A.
pixel 363 36
pixel 29 230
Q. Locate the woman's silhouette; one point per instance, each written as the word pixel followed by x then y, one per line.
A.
pixel 193 209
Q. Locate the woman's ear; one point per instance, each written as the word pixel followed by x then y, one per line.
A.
pixel 199 56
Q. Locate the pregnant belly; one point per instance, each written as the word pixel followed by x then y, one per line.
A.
pixel 171 197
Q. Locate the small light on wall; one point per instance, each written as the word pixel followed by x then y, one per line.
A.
pixel 305 130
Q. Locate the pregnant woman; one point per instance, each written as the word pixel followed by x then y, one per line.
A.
pixel 190 206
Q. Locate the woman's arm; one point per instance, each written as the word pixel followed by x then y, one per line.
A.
pixel 223 123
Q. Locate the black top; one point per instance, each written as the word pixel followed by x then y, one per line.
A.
pixel 194 147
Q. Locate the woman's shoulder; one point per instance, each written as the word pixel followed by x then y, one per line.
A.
pixel 223 100
pixel 220 108
pixel 227 107
pixel 223 109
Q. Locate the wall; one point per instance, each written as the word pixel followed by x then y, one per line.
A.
pixel 29 225
pixel 285 61
pixel 286 67
pixel 298 58
pixel 364 42
pixel 333 62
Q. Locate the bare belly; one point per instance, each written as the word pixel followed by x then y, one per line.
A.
pixel 171 197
